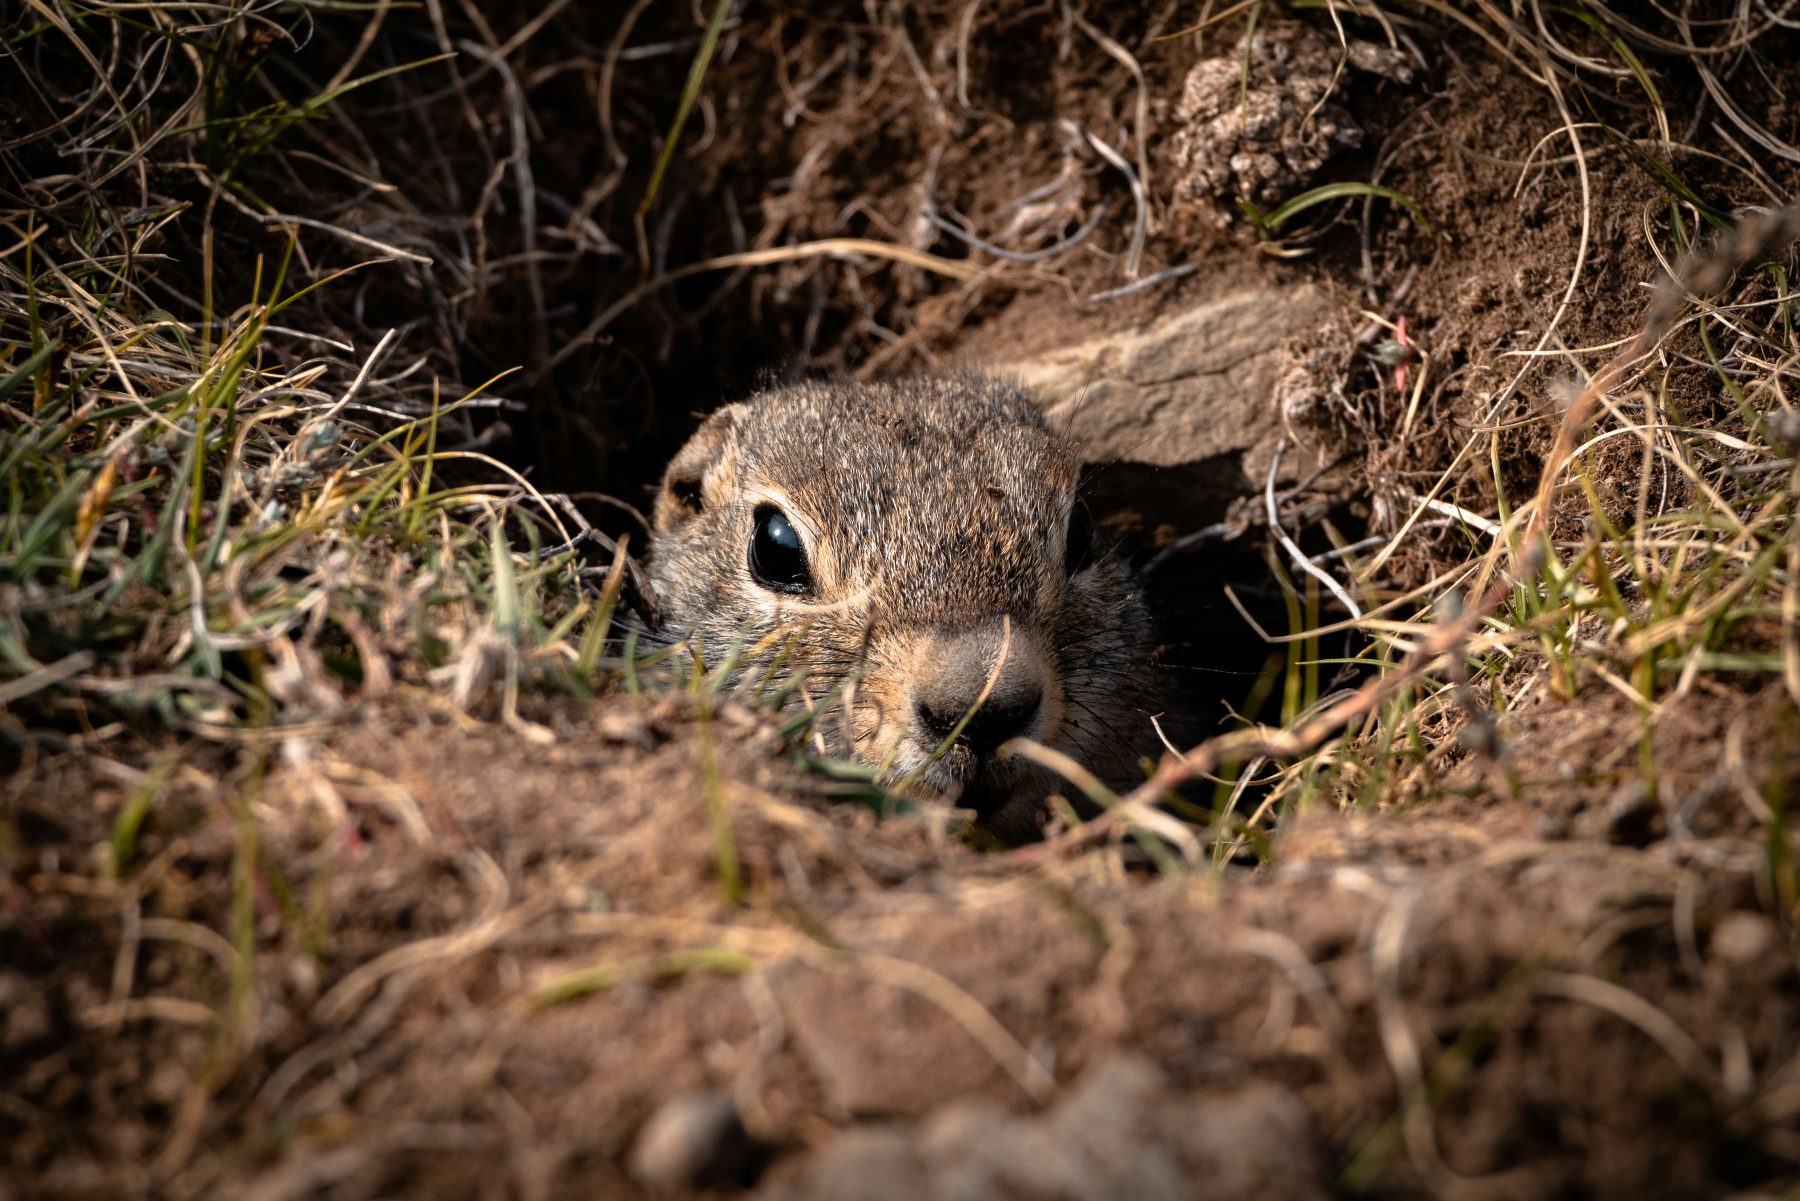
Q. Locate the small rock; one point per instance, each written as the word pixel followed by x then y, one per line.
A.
pixel 1784 428
pixel 1198 387
pixel 626 727
pixel 1381 60
pixel 694 1141
pixel 1122 1131
pixel 1743 937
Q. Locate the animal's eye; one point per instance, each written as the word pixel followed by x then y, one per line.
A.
pixel 1078 545
pixel 777 559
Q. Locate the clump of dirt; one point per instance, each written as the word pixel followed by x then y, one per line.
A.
pixel 1120 1132
pixel 1260 121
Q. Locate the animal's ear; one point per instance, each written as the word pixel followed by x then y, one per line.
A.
pixel 690 485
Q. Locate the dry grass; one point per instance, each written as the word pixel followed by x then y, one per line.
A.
pixel 243 517
pixel 1648 582
pixel 1683 590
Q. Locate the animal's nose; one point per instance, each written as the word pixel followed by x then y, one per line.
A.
pixel 952 689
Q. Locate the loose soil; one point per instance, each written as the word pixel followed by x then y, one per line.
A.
pixel 426 897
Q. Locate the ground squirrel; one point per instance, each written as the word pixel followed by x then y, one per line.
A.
pixel 897 537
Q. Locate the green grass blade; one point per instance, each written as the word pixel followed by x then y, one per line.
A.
pixel 1324 194
pixel 26 370
pixel 702 59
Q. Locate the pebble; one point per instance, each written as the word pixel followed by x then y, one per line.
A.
pixel 693 1141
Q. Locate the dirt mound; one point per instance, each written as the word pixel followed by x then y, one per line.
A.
pixel 460 958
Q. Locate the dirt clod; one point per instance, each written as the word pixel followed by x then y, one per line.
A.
pixel 693 1141
pixel 1260 124
pixel 1121 1132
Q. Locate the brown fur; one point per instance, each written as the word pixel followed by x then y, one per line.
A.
pixel 927 506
